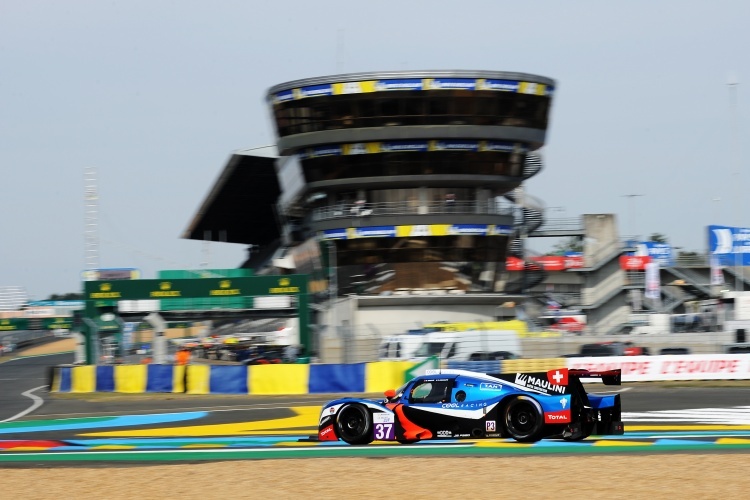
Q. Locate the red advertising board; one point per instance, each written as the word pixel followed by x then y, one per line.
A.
pixel 548 262
pixel 634 262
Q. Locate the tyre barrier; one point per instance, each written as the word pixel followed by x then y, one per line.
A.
pixel 281 379
pixel 290 379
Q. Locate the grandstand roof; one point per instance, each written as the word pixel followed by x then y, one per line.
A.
pixel 241 205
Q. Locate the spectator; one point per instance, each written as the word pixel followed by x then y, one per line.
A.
pixel 183 356
pixel 450 202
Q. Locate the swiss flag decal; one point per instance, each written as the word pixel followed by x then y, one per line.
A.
pixel 558 377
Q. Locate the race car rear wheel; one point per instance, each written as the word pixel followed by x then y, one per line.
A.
pixel 354 424
pixel 524 419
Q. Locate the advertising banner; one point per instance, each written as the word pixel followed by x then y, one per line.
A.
pixel 731 245
pixel 451 83
pixel 653 281
pixel 659 252
pixel 678 367
pixel 399 84
pixel 717 275
pixel 634 262
pixel 412 84
pixel 549 262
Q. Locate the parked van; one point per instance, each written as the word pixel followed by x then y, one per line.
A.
pixel 400 347
pixel 473 345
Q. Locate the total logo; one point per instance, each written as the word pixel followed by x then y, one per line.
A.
pixel 555 417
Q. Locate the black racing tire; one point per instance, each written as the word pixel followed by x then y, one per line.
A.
pixel 354 424
pixel 524 419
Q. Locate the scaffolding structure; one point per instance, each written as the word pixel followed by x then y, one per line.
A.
pixel 91 220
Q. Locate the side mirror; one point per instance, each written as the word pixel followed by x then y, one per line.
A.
pixel 390 394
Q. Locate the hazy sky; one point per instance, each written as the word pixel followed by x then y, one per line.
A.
pixel 157 95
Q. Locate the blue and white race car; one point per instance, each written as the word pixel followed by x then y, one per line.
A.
pixel 455 404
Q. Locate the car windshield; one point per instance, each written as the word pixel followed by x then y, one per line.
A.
pixel 430 349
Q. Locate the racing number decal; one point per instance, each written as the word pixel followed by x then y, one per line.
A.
pixel 384 432
pixel 383 428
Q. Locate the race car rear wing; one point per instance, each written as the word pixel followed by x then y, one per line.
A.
pixel 608 377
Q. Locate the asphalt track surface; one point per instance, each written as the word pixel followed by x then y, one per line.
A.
pixel 42 428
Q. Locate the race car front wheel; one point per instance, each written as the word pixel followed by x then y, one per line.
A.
pixel 524 419
pixel 354 424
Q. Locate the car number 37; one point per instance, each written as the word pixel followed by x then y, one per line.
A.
pixel 384 432
pixel 383 427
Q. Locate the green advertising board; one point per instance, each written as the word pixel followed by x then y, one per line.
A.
pixel 211 293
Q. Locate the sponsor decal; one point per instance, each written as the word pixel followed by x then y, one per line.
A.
pixel 490 426
pixel 487 386
pixel 444 434
pixel 283 96
pixel 165 290
pixel 399 84
pixel 499 85
pixel 391 146
pixel 335 234
pixel 105 292
pixel 477 229
pixel 563 402
pixel 325 151
pixel 558 377
pixel 383 418
pixel 356 148
pixel 463 405
pixel 225 288
pixel 375 232
pixel 454 146
pixel 314 91
pixel 499 230
pixel 538 384
pixel 507 147
pixel 555 417
pixel 327 434
pixel 351 88
pixel 451 83
pixel 284 287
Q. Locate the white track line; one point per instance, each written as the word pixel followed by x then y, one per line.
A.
pixel 37 402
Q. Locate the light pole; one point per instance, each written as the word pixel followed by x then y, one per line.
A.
pixel 631 218
pixel 739 263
